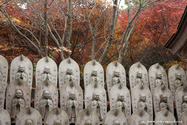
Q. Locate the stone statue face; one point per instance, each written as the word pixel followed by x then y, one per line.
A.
pixel 121 97
pixel 143 97
pixel 116 123
pixel 46 69
pixel 185 98
pixel 46 94
pixel 163 106
pixel 139 75
pixel 94 73
pixel 18 93
pixel 28 122
pixel 142 123
pixel 179 76
pixel 21 68
pixel 57 122
pixel 116 74
pixel 88 122
pixel 96 96
pixel 164 98
pixel 69 71
pixel 72 96
pixel 158 76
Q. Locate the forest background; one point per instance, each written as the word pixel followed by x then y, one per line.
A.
pixel 91 29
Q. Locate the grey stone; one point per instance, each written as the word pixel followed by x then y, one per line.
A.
pixel 138 73
pixel 157 75
pixel 120 99
pixel 4 117
pixel 3 71
pixel 87 117
pixel 46 68
pixel 56 116
pixel 115 73
pixel 183 118
pixel 2 95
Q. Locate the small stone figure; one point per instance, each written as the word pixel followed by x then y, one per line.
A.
pixel 158 80
pixel 178 82
pixel 21 74
pixel 46 104
pixel 116 123
pixel 88 122
pixel 94 77
pixel 96 105
pixel 142 123
pixel 164 102
pixel 138 78
pixel 18 103
pixel 57 122
pixel 184 104
pixel 72 107
pixel 142 102
pixel 68 76
pixel 121 105
pixel 29 122
pixel 46 74
pixel 116 78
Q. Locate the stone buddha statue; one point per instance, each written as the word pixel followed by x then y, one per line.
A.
pixel 21 74
pixel 143 102
pixel 120 104
pixel 116 78
pixel 72 107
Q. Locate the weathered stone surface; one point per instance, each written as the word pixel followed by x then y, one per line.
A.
pixel 2 95
pixel 115 117
pixel 21 68
pixel 18 96
pixel 46 97
pixel 120 99
pixel 181 100
pixel 57 116
pixel 29 116
pixel 4 117
pixel 95 99
pixel 71 99
pixel 177 78
pixel 68 69
pixel 46 68
pixel 157 75
pixel 165 117
pixel 140 117
pixel 137 73
pixel 183 118
pixel 93 71
pixel 115 73
pixel 162 96
pixel 3 71
pixel 87 117
pixel 142 98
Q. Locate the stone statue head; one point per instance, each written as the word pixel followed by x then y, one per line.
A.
pixel 96 96
pixel 88 122
pixel 21 68
pixel 116 122
pixel 47 70
pixel 116 73
pixel 19 93
pixel 159 75
pixel 57 122
pixel 28 122
pixel 143 97
pixel 121 97
pixel 94 73
pixel 179 76
pixel 185 98
pixel 142 123
pixel 164 98
pixel 163 106
pixel 69 71
pixel 139 75
pixel 72 96
pixel 46 94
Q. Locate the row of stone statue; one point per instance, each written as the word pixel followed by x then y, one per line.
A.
pixel 18 93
